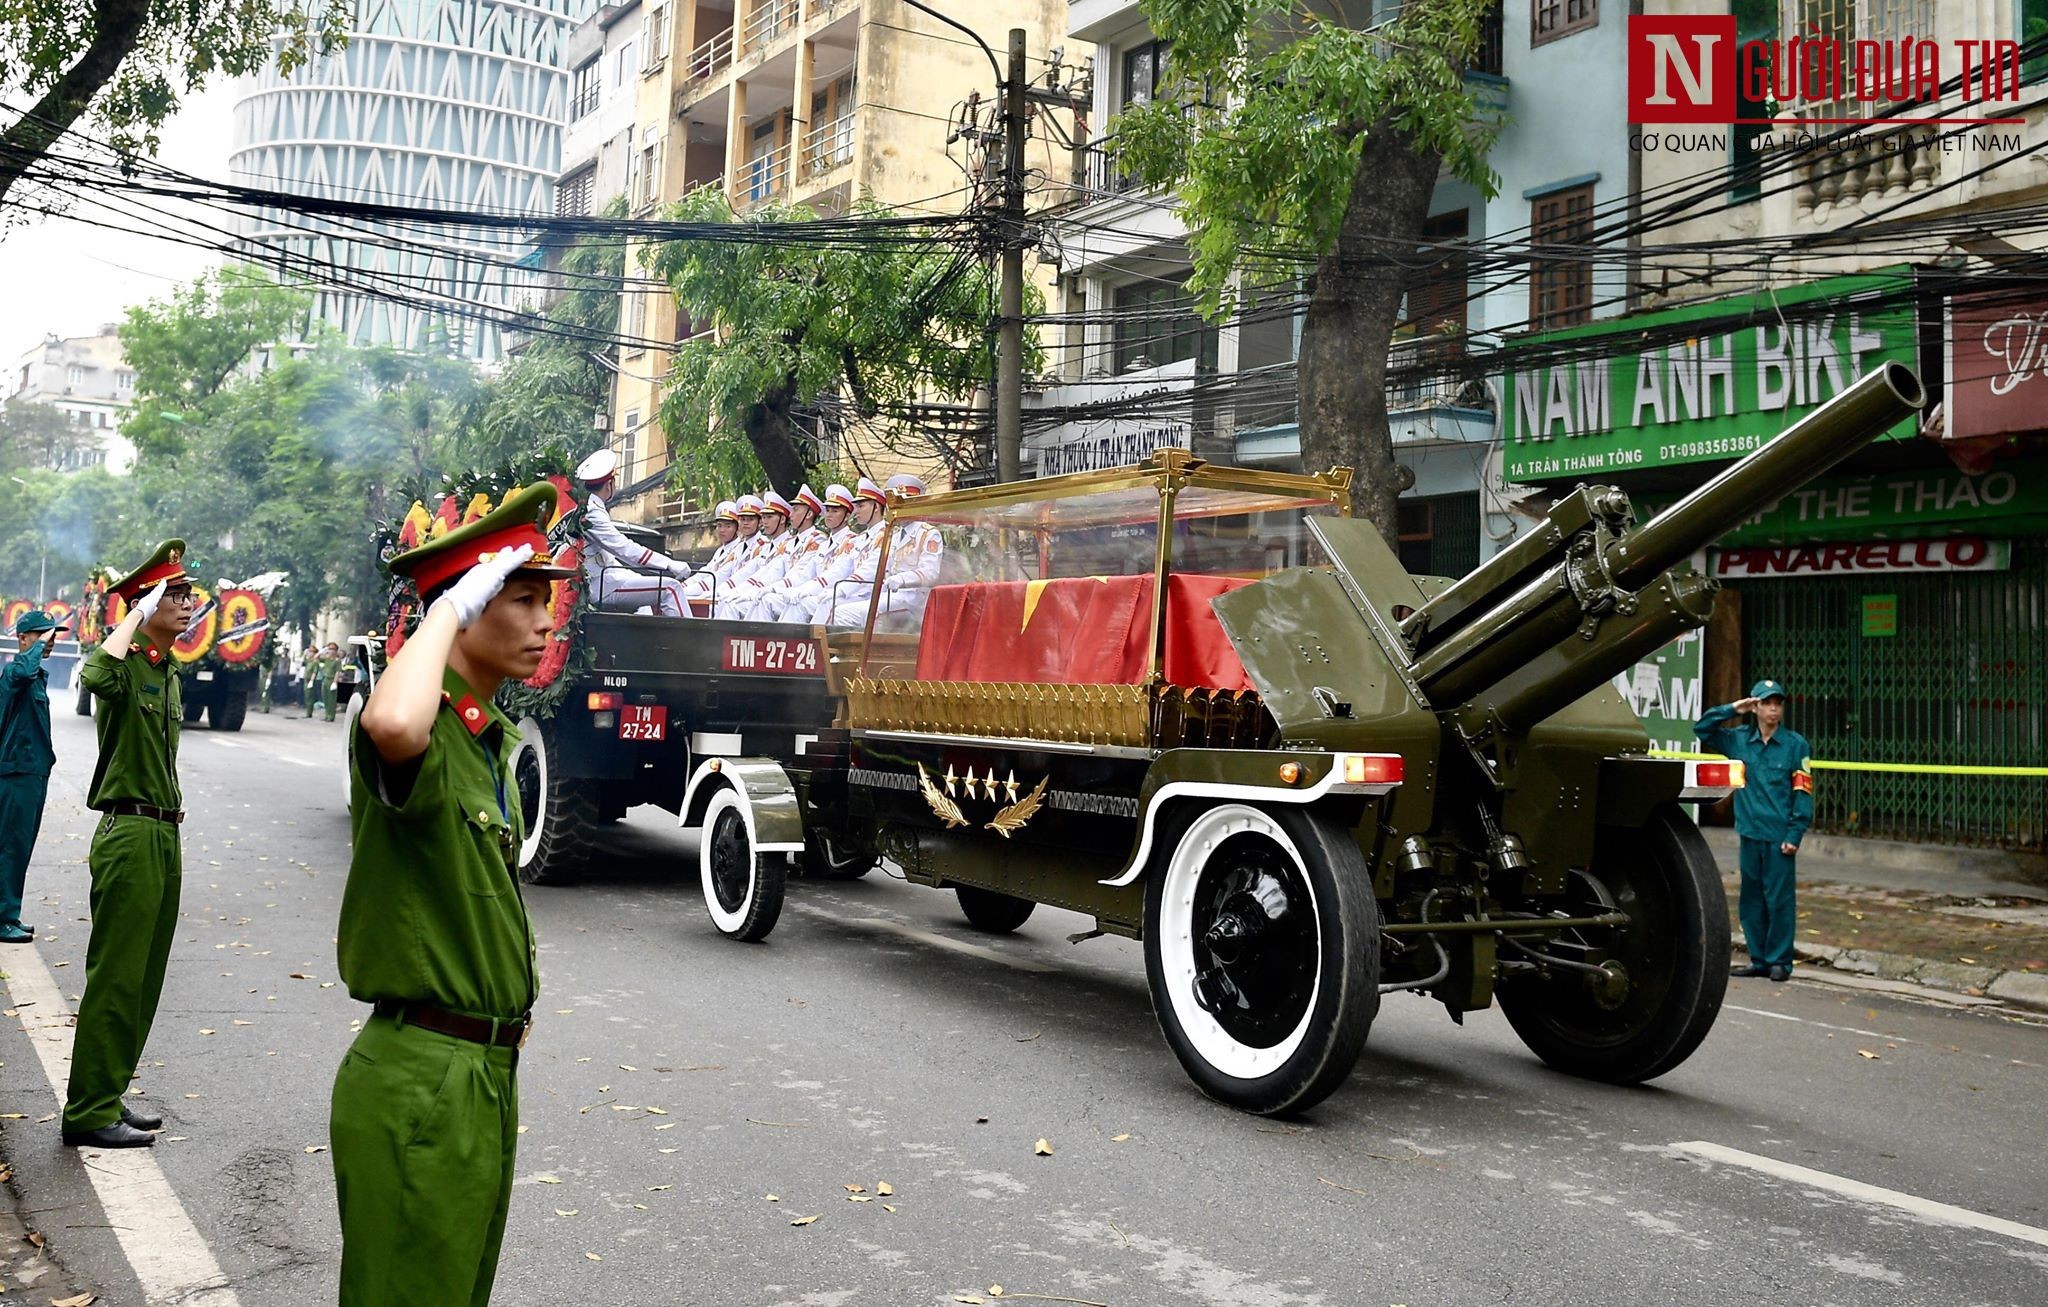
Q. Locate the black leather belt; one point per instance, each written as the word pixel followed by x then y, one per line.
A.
pixel 500 1034
pixel 175 816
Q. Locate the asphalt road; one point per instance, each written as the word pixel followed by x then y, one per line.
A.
pixel 677 1080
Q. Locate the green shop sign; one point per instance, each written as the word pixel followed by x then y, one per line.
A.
pixel 1759 362
pixel 2011 498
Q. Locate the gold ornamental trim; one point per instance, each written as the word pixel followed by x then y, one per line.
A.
pixel 1014 816
pixel 1060 714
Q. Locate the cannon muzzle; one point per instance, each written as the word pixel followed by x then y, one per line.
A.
pixel 1524 630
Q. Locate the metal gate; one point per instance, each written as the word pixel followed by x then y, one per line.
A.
pixel 1963 682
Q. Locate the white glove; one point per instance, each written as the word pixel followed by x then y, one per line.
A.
pixel 480 584
pixel 147 605
pixel 678 569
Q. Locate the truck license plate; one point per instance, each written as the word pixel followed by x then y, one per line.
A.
pixel 755 653
pixel 638 721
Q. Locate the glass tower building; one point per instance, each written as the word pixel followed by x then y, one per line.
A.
pixel 447 104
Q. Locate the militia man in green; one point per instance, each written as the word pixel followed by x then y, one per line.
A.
pixel 136 866
pixel 434 933
pixel 26 758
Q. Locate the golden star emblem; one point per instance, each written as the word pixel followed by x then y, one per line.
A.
pixel 950 778
pixel 972 785
pixel 1009 787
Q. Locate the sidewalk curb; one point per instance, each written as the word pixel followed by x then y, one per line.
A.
pixel 1946 980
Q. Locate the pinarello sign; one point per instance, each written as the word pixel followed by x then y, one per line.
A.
pixel 1688 68
pixel 1946 554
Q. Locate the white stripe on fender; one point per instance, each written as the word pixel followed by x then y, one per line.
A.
pixel 157 1235
pixel 1942 1213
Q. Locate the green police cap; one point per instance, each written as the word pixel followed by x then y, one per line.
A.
pixel 35 621
pixel 166 564
pixel 521 520
pixel 1767 689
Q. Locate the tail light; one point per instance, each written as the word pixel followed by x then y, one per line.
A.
pixel 602 701
pixel 1372 769
pixel 1712 780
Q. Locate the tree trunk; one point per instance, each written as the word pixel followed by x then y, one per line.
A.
pixel 117 26
pixel 1350 323
pixel 773 436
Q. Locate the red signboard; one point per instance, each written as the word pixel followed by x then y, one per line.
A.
pixel 1949 554
pixel 639 721
pixel 775 657
pixel 1997 367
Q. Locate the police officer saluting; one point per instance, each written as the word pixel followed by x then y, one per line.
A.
pixel 137 868
pixel 1772 811
pixel 433 930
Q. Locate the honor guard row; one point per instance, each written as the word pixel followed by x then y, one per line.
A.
pixel 806 559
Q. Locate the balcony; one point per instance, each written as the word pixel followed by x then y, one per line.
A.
pixel 828 145
pixel 770 20
pixel 762 178
pixel 1864 172
pixel 709 59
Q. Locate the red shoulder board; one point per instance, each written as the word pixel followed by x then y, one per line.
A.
pixel 1803 780
pixel 469 712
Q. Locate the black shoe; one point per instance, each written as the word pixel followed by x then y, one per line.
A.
pixel 1753 969
pixel 1781 974
pixel 140 1120
pixel 118 1135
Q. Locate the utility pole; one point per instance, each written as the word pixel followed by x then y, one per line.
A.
pixel 1010 328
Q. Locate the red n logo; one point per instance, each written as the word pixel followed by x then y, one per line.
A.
pixel 1681 68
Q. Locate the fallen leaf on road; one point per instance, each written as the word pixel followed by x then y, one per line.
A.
pixel 45 1120
pixel 566 1211
pixel 1117 1139
pixel 1961 958
pixel 884 1188
pixel 624 1067
pixel 1043 1148
pixel 969 1298
pixel 859 1198
pixel 854 1188
pixel 522 1129
pixel 327 984
pixel 546 1179
pixel 205 1032
pixel 564 1011
pixel 35 1237
pixel 639 1207
pixel 981 1120
pixel 787 1125
pixel 670 1126
pixel 240 1022
pixel 773 1199
pixel 316 1148
pixel 666 1150
pixel 657 1111
pixel 13 1116
pixel 76 1300
pixel 176 1139
pixel 887 1208
pixel 593 1257
pixel 1864 1052
pixel 805 1220
pixel 659 1188
pixel 300 975
pixel 1025 1039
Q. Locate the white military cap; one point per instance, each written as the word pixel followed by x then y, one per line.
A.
pixel 774 503
pixel 727 511
pixel 836 494
pixel 806 495
pixel 869 490
pixel 598 466
pixel 905 484
pixel 749 506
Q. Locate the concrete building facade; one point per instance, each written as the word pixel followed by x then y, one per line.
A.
pixel 87 379
pixel 438 103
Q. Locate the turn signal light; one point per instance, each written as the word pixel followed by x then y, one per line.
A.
pixel 1715 775
pixel 1372 769
pixel 600 700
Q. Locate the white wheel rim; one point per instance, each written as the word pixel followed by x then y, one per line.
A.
pixel 728 922
pixel 536 822
pixel 1212 1043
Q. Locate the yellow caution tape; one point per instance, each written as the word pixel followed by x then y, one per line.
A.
pixel 1928 769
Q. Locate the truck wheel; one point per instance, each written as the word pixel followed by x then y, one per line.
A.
pixel 560 812
pixel 1262 949
pixel 193 706
pixel 228 712
pixel 1667 971
pixel 998 914
pixel 823 858
pixel 742 889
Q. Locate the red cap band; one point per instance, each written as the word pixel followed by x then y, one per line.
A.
pixel 438 569
pixel 146 580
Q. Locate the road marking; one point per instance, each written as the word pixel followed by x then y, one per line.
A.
pixel 1824 1025
pixel 936 940
pixel 1942 1213
pixel 156 1233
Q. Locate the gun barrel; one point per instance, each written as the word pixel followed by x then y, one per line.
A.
pixel 1808 447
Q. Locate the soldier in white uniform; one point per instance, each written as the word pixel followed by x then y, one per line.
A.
pixel 914 559
pixel 803 586
pixel 725 523
pixel 806 547
pixel 751 580
pixel 612 564
pixel 850 582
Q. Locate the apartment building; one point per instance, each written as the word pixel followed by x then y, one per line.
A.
pixel 810 101
pixel 87 379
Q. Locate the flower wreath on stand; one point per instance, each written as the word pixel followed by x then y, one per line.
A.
pixel 464 498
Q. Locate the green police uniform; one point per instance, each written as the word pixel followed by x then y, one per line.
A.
pixel 434 933
pixel 136 866
pixel 1773 808
pixel 26 758
pixel 319 676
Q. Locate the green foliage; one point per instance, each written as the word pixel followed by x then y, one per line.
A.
pixel 56 521
pixel 874 326
pixel 185 347
pixel 1268 108
pixel 34 435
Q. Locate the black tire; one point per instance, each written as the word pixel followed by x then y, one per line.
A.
pixel 743 890
pixel 823 858
pixel 192 707
pixel 84 695
pixel 560 812
pixel 229 711
pixel 1267 1014
pixel 997 914
pixel 1674 957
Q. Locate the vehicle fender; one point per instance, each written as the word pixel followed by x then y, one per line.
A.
pixel 1245 776
pixel 775 822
